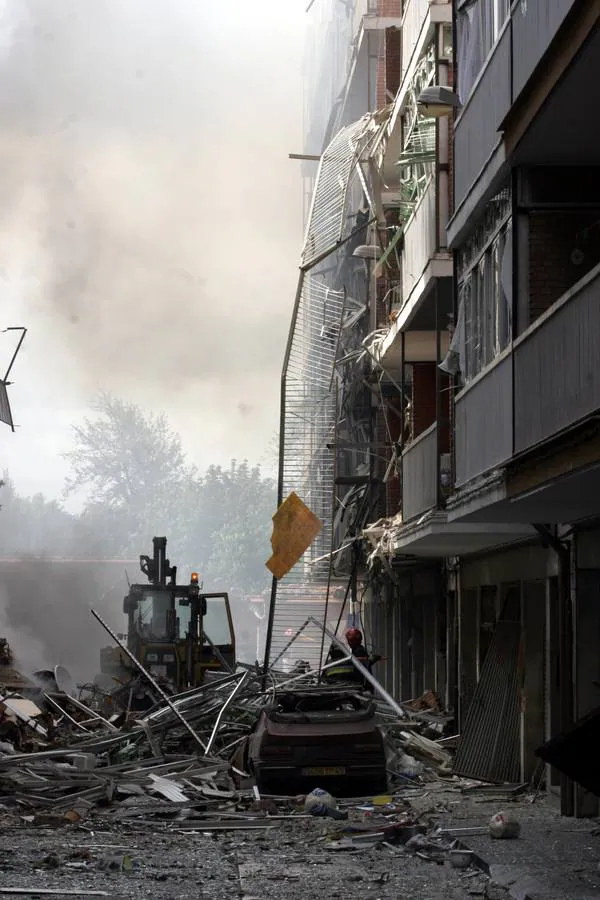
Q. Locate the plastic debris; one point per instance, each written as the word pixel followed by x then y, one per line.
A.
pixel 504 826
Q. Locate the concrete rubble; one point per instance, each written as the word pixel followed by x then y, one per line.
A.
pixel 96 802
pixel 60 753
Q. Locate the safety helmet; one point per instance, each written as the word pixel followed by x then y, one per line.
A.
pixel 354 637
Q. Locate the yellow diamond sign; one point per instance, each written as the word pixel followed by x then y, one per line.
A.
pixel 294 529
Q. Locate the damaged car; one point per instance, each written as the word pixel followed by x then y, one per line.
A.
pixel 318 738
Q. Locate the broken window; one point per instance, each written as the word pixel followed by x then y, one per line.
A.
pixel 478 26
pixel 485 290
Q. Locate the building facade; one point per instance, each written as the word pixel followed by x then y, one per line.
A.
pixel 524 234
pixel 511 512
pixel 453 446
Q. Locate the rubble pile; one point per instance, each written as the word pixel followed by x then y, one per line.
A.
pixel 418 746
pixel 138 751
pixel 176 768
pixel 61 757
pixel 58 754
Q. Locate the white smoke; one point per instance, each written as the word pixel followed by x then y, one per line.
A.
pixel 149 215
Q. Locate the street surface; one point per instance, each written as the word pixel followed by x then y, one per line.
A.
pixel 288 861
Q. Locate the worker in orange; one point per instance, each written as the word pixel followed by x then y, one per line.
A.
pixel 354 640
pixel 345 671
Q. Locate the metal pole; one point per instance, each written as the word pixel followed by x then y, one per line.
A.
pixel 18 347
pixel 354 583
pixel 289 644
pixel 63 712
pixel 365 673
pixel 341 615
pixel 236 689
pixel 193 694
pixel 565 618
pixel 90 712
pixel 150 678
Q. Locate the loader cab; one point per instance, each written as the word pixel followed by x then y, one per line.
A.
pixel 217 627
pixel 173 630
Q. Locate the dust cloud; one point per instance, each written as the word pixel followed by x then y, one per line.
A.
pixel 149 216
pixel 45 613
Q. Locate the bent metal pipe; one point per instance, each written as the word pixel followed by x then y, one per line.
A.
pixel 150 678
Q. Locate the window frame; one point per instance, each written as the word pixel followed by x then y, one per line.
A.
pixel 480 289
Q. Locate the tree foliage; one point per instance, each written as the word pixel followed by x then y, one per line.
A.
pixel 124 457
pixel 239 503
pixel 139 483
pixel 135 480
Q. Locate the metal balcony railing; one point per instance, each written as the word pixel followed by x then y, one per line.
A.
pixel 420 475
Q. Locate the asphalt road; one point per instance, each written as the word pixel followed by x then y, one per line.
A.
pixel 159 862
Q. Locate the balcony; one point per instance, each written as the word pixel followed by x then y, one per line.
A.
pixel 362 8
pixel 484 421
pixel 534 27
pixel 426 288
pixel 420 475
pixel 418 29
pixel 420 241
pixel 546 384
pixel 556 366
pixel 476 135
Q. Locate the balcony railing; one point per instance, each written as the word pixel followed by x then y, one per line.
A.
pixel 484 424
pixel 476 135
pixel 414 18
pixel 420 475
pixel 556 366
pixel 534 25
pixel 362 8
pixel 420 241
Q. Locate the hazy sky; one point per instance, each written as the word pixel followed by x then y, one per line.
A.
pixel 150 220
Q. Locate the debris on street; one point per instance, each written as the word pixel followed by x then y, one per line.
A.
pixel 504 826
pixel 193 764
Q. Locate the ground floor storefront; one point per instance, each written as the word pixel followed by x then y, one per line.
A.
pixel 508 641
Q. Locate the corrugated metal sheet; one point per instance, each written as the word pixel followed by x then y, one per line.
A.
pixel 310 403
pixel 489 748
pixel 322 381
pixel 167 788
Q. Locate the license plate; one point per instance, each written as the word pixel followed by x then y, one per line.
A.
pixel 324 770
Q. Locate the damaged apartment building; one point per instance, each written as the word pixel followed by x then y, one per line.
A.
pixel 440 393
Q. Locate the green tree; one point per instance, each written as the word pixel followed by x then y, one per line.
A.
pixel 123 456
pixel 138 484
pixel 133 470
pixel 232 528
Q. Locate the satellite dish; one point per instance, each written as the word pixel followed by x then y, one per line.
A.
pixel 45 679
pixel 64 680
